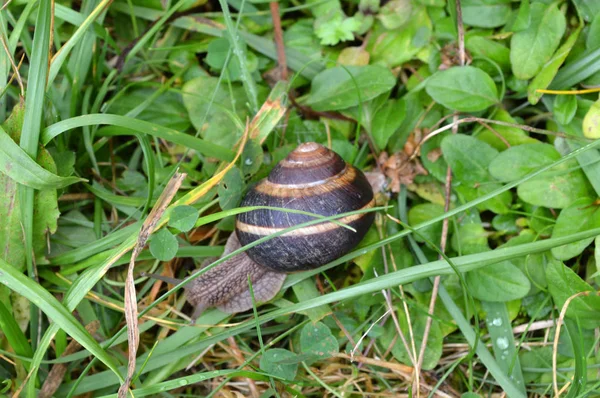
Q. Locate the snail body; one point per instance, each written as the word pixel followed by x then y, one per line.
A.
pixel 312 179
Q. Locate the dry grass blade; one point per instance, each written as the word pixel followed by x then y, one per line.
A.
pixel 130 297
pixel 56 375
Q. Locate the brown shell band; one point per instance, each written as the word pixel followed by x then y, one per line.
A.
pixel 332 183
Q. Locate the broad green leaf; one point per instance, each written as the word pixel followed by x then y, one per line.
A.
pixel 16 164
pixel 564 283
pixel 588 8
pixel 218 50
pixel 316 339
pixel 522 18
pixel 424 212
pixel 468 157
pixel 183 218
pixel 386 121
pixel 499 282
pixel 470 239
pixel 485 13
pixel 581 215
pixel 523 159
pixel 252 158
pixel 543 79
pixel 395 13
pixel 344 87
pixel 531 48
pixel 513 135
pixel 163 245
pixel 557 189
pixel 464 89
pixel 230 189
pixel 565 107
pixel 270 362
pixel 393 48
pixel 215 119
pixel 591 122
pixel 492 49
pixel 593 37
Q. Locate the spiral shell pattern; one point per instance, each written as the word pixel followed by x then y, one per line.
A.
pixel 313 179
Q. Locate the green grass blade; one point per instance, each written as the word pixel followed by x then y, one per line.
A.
pixel 140 126
pixel 16 164
pixel 578 70
pixel 60 316
pixel 240 55
pixel 62 54
pixel 15 337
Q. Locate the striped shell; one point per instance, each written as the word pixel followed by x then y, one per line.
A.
pixel 313 179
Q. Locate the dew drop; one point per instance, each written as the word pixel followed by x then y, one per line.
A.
pixel 502 343
pixel 497 322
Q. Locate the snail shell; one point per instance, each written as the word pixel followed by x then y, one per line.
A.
pixel 312 179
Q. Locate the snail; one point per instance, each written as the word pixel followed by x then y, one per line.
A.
pixel 312 179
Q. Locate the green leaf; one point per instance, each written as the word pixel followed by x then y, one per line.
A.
pixel 316 339
pixel 543 79
pixel 16 164
pixel 564 283
pixel 565 107
pixel 424 212
pixel 270 363
pixel 344 87
pixel 393 48
pixel 588 8
pixel 212 114
pixel 468 157
pixel 336 27
pixel 523 159
pixel 386 121
pixel 485 13
pixel 163 245
pixel 230 189
pixel 491 49
pixel 464 89
pixel 581 215
pixel 498 283
pixel 395 13
pixel 531 48
pixel 522 18
pixel 591 122
pixel 252 158
pixel 183 218
pixel 513 135
pixel 593 37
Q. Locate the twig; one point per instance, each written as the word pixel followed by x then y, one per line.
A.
pixel 131 315
pixel 281 60
pixel 445 223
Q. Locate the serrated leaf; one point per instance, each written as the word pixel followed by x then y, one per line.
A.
pixel 463 88
pixel 344 87
pixel 531 48
pixel 183 218
pixel 163 245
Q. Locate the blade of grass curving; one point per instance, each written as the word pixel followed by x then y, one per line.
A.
pixel 234 41
pixel 584 66
pixel 503 341
pixel 204 147
pixel 156 27
pixel 75 18
pixel 15 337
pixel 30 136
pixel 61 55
pixel 18 165
pixel 573 330
pixel 60 316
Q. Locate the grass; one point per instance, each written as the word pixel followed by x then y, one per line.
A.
pixel 115 103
